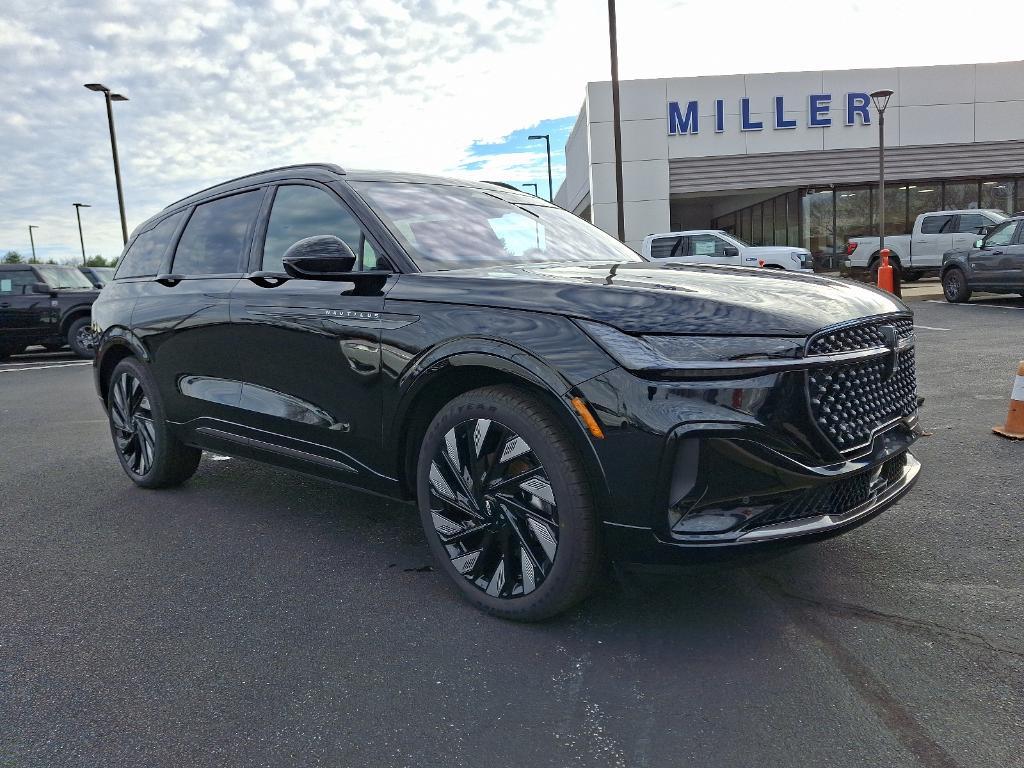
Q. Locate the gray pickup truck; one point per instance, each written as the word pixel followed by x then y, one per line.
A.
pixel 47 305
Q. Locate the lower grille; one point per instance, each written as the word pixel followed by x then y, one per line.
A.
pixel 836 499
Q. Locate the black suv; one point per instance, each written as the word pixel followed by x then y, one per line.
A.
pixel 547 397
pixel 995 264
pixel 45 304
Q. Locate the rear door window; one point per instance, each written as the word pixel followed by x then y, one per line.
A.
pixel 146 254
pixel 217 236
pixel 17 281
pixel 936 225
pixel 667 248
pixel 302 211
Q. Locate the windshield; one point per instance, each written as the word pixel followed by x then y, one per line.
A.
pixel 104 273
pixel 63 277
pixel 739 240
pixel 447 227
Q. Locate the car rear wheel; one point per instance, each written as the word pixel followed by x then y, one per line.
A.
pixel 149 454
pixel 506 505
pixel 897 277
pixel 81 338
pixel 954 286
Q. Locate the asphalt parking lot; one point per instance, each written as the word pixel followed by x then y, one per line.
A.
pixel 256 617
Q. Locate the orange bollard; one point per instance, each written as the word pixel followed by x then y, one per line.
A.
pixel 885 273
pixel 1014 426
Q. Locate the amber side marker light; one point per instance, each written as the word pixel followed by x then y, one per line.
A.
pixel 581 408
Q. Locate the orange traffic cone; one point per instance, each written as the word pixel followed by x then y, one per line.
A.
pixel 1014 426
pixel 885 273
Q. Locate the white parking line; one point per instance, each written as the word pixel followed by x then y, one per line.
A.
pixel 929 328
pixel 973 306
pixel 43 367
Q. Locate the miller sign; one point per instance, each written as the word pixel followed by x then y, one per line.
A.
pixel 686 118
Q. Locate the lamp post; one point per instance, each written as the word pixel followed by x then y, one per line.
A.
pixel 613 44
pixel 32 240
pixel 881 101
pixel 547 143
pixel 534 188
pixel 111 97
pixel 78 215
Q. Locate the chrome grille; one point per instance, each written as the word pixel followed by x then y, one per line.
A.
pixel 849 401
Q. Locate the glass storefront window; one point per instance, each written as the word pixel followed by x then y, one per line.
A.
pixel 853 214
pixel 960 195
pixel 793 219
pixel 896 209
pixel 818 236
pixel 779 230
pixel 922 198
pixel 998 195
pixel 756 235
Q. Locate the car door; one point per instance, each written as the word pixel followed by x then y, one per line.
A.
pixel 992 265
pixel 712 249
pixel 26 317
pixel 311 348
pixel 1014 275
pixel 182 316
pixel 934 239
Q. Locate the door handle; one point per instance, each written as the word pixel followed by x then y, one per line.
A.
pixel 269 279
pixel 5 303
pixel 169 280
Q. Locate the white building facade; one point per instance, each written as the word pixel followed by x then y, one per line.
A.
pixel 792 158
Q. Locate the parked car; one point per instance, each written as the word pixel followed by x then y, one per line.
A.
pixel 545 396
pixel 994 263
pixel 715 246
pixel 98 276
pixel 45 304
pixel 919 254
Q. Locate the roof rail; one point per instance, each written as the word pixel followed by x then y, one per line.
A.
pixel 327 166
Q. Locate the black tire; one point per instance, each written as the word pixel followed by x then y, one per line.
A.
pixel 897 274
pixel 80 338
pixel 522 539
pixel 955 287
pixel 149 454
pixel 53 347
pixel 912 276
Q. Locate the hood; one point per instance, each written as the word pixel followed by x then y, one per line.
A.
pixel 641 297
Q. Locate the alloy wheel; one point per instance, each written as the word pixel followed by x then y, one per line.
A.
pixel 952 285
pixel 85 338
pixel 493 508
pixel 132 417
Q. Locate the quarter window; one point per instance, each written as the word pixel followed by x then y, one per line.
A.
pixel 936 225
pixel 300 212
pixel 667 248
pixel 146 254
pixel 216 236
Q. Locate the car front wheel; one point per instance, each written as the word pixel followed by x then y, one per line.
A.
pixel 506 505
pixel 954 286
pixel 149 454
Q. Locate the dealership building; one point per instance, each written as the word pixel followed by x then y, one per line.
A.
pixel 791 158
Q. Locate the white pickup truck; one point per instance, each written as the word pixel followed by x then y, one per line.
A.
pixel 920 253
pixel 713 246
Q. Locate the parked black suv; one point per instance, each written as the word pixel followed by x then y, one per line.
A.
pixel 545 395
pixel 995 264
pixel 45 304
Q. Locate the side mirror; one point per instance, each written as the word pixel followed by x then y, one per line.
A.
pixel 979 243
pixel 321 257
pixel 42 288
pixel 732 251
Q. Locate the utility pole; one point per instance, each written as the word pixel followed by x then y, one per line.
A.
pixel 78 215
pixel 32 240
pixel 616 120
pixel 110 97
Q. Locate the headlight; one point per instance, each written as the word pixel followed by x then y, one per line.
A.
pixel 696 355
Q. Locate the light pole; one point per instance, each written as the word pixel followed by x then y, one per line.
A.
pixel 613 44
pixel 547 143
pixel 534 188
pixel 32 240
pixel 78 215
pixel 110 97
pixel 881 101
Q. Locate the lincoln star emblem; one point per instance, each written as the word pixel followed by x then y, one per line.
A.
pixel 892 341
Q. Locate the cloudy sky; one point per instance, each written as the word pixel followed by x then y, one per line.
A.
pixel 219 88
